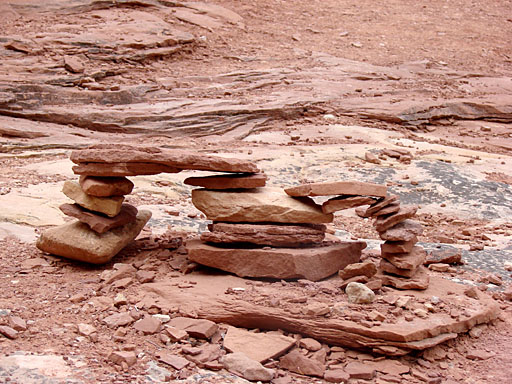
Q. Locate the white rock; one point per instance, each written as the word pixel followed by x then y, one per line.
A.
pixel 359 293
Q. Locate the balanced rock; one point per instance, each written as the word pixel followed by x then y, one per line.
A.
pixel 257 205
pixel 278 263
pixel 106 186
pixel 242 181
pixel 122 169
pixel 357 188
pixel 359 293
pixel 420 280
pixel 110 206
pixel 385 222
pixel 389 209
pixel 380 204
pixel 404 231
pixel 398 246
pixel 411 260
pixel 178 159
pixel 97 222
pixel 265 234
pixel 76 241
pixel 243 366
pixel 387 267
pixel 366 268
pixel 345 202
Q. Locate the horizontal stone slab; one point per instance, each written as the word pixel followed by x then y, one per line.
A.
pixel 122 169
pixel 357 188
pixel 380 204
pixel 404 231
pixel 106 186
pixel 312 263
pixel 243 181
pixel 387 267
pixel 420 280
pixel 410 260
pixel 345 202
pixel 383 223
pixel 398 246
pixel 110 206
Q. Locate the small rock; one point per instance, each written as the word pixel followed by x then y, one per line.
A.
pixel 480 354
pixel 198 328
pixel 298 363
pixel 239 364
pixel 476 247
pixel 359 293
pixel 376 316
pixel 85 329
pixel 471 292
pixel 439 267
pixel 336 376
pixel 78 298
pixel 366 268
pixel 145 276
pixel 446 256
pixel 118 320
pixel 17 323
pixel 358 370
pixel 177 362
pixel 73 64
pixel 162 318
pixel 148 325
pixel 120 357
pixel 120 299
pixel 122 283
pixel 8 332
pixel 371 158
pixel 310 344
pixel 176 334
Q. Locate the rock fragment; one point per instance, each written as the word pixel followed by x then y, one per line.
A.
pixel 384 223
pixel 411 260
pixel 110 206
pixel 243 366
pixel 419 280
pixel 357 188
pixel 118 320
pixel 8 332
pixel 294 361
pixel 127 357
pixel 446 256
pixel 404 231
pixel 17 323
pixel 148 325
pixel 380 204
pixel 105 186
pixel 398 246
pixel 359 293
pixel 198 328
pixel 366 268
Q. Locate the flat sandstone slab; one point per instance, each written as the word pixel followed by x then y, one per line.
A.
pixel 228 181
pixel 122 169
pixel 383 223
pixel 110 206
pixel 257 205
pixel 345 202
pixel 98 223
pixel 179 159
pixel 410 260
pixel 78 242
pixel 404 231
pixel 265 234
pixel 106 186
pixel 357 188
pixel 314 263
pixel 420 280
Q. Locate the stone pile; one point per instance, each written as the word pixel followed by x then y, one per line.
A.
pixel 402 260
pixel 259 231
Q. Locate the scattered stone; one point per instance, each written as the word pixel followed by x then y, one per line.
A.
pixel 177 362
pixel 148 325
pixel 384 223
pixel 35 262
pixel 380 204
pixel 76 241
pixel 446 256
pixel 359 293
pixel 310 344
pixel 480 354
pixel 257 205
pixel 265 234
pixel 86 329
pixel 243 366
pixel 8 332
pixel 176 334
pixel 404 231
pixel 281 263
pixel 110 206
pixel 345 202
pixel 118 320
pixel 361 212
pixel 439 267
pixel 145 276
pixel 120 357
pixel 97 222
pixel 207 353
pixel 476 247
pixel 336 375
pixel 366 268
pixel 390 367
pixel 198 328
pixel 106 186
pixel 261 346
pixel 371 158
pixel 120 271
pixel 356 188
pixel 420 280
pixel 471 292
pixel 73 64
pixel 410 260
pixel 358 370
pixel 242 181
pixel 398 246
pixel 294 361
pixel 17 323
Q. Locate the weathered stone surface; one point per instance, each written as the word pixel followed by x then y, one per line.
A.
pixel 404 231
pixel 148 325
pixel 243 366
pixel 337 375
pixel 357 188
pixel 242 181
pixel 8 332
pixel 310 344
pixel 178 159
pixel 120 357
pixel 411 260
pixel 122 169
pixel 387 267
pixel 398 246
pixel 388 209
pixel 446 256
pixel 359 293
pixel 382 203
pixel 175 361
pixel 76 241
pixel 298 363
pixel 198 328
pixel 385 222
pixel 259 346
pixel 257 205
pixel 110 206
pixel 419 281
pixel 17 323
pixel 358 370
pixel 366 268
pixel 73 64
pixel 86 329
pixel 105 186
pixel 279 263
pixel 118 320
pixel 99 223
pixel 265 234
pixel 345 202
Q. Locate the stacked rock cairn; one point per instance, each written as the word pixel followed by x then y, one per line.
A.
pixel 402 259
pixel 259 231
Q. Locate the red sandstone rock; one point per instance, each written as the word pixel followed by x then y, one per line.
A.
pixel 243 366
pixel 148 325
pixel 419 281
pixel 371 158
pixel 336 376
pixel 198 328
pixel 178 159
pixel 404 231
pixel 387 267
pixel 383 223
pixel 310 344
pixel 99 223
pixel 120 357
pixel 410 260
pixel 118 320
pixel 8 332
pixel 366 268
pixel 298 363
pixel 356 279
pixel 106 186
pixel 398 246
pixel 381 203
pixel 242 181
pixel 358 370
pixel 177 362
pixel 345 202
pixel 121 169
pixel 265 234
pixel 110 206
pixel 280 263
pixel 446 256
pixel 357 188
pixel 388 210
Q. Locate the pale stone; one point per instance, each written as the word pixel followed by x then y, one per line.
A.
pixel 76 241
pixel 357 188
pixel 241 365
pixel 148 325
pixel 359 293
pixel 258 205
pixel 110 206
pixel 280 263
pixel 106 186
pixel 242 181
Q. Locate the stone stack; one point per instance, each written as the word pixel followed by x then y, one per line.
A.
pixel 402 260
pixel 267 232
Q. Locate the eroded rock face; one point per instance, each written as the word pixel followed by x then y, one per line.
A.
pixel 257 205
pixel 110 206
pixel 106 186
pixel 229 181
pixel 357 188
pixel 279 263
pixel 77 241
